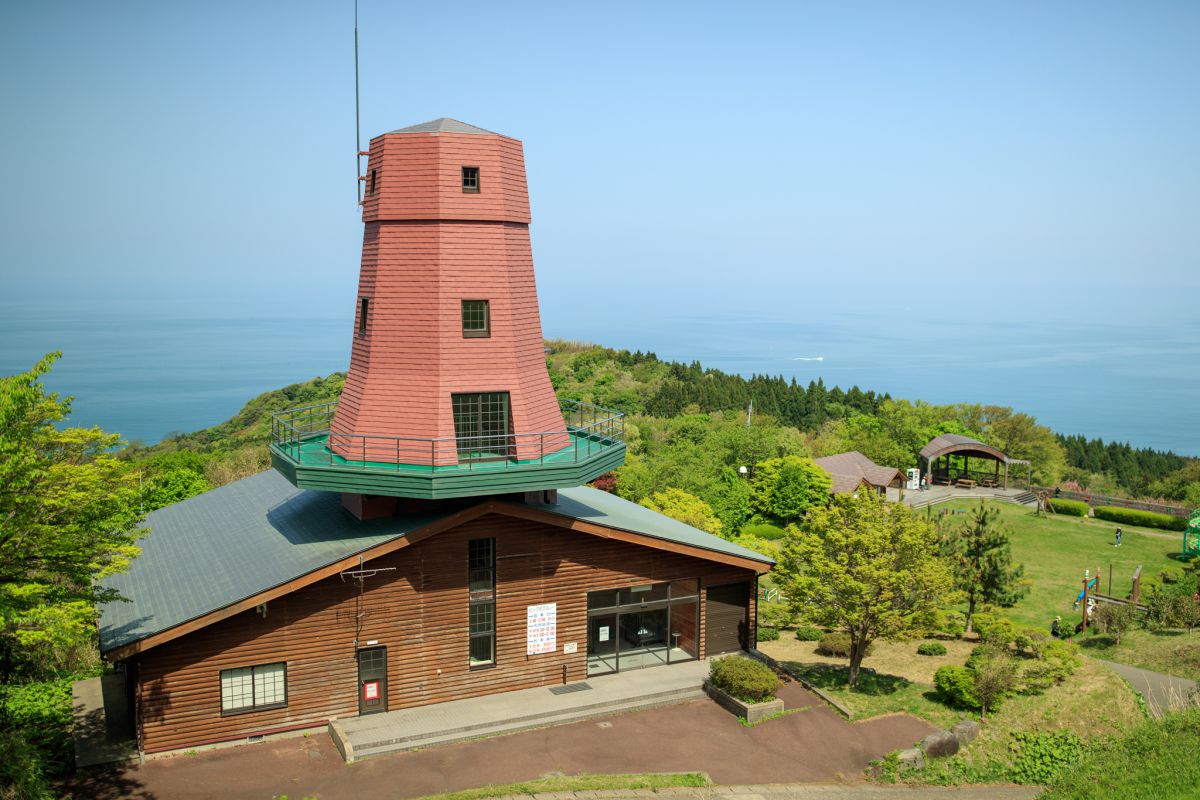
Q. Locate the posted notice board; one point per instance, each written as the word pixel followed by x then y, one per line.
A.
pixel 541 624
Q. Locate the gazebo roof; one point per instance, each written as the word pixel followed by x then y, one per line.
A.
pixel 956 443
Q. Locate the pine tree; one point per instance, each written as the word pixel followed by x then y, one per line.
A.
pixel 981 557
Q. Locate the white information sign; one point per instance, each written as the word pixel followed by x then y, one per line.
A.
pixel 541 623
pixel 603 633
pixel 570 647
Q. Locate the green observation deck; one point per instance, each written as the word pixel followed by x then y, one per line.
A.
pixel 309 454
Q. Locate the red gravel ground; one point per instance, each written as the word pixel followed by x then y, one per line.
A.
pixel 810 745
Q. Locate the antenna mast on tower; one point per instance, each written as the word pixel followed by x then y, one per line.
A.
pixel 358 173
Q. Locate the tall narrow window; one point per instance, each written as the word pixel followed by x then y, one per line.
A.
pixel 481 426
pixel 481 579
pixel 249 688
pixel 470 178
pixel 374 176
pixel 476 319
pixel 364 305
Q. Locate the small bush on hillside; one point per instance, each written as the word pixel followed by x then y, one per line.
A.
pixel 767 634
pixel 1147 519
pixel 775 615
pixel 1070 508
pixel 956 686
pixel 809 633
pixel 746 679
pixel 1056 660
pixel 1030 640
pixel 763 531
pixel 1042 756
pixel 837 644
pixel 952 623
pixel 931 649
pixel 995 630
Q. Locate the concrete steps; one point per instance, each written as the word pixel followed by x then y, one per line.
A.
pixel 356 751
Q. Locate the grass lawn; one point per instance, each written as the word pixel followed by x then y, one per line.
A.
pixel 1174 652
pixel 1157 759
pixel 1094 702
pixel 579 783
pixel 1055 551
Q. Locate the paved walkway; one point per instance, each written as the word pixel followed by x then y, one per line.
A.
pixel 813 744
pixel 813 791
pixel 510 711
pixel 1161 692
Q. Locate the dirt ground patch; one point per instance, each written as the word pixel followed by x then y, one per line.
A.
pixel 887 658
pixel 810 745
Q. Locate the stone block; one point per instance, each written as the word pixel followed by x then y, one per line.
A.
pixel 965 731
pixel 939 744
pixel 911 758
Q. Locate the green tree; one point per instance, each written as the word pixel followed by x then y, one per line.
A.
pixel 995 675
pixel 784 489
pixel 687 508
pixel 980 555
pixel 69 514
pixel 866 566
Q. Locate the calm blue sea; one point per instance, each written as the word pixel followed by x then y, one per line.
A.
pixel 146 376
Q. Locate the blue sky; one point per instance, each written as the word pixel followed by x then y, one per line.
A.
pixel 163 157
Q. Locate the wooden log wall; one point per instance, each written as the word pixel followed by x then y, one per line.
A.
pixel 419 612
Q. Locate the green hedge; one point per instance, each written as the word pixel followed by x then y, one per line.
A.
pixel 809 633
pixel 838 644
pixel 746 679
pixel 956 685
pixel 767 634
pixel 1072 508
pixel 931 649
pixel 1147 519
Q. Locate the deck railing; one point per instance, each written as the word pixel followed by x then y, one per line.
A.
pixel 305 436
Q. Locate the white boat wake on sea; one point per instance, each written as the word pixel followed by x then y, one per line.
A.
pixel 809 358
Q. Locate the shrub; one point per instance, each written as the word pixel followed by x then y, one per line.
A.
pixel 956 685
pixel 767 633
pixel 775 615
pixel 809 633
pixel 1147 519
pixel 1071 508
pixel 837 644
pixel 763 531
pixel 953 623
pixel 746 679
pixel 931 649
pixel 1057 660
pixel 995 630
pixel 1030 640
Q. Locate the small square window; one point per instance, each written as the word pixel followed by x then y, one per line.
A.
pixel 470 180
pixel 476 319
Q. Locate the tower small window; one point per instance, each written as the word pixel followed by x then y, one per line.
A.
pixel 470 177
pixel 364 305
pixel 374 180
pixel 476 319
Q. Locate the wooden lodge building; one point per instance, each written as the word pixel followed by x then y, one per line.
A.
pixel 428 537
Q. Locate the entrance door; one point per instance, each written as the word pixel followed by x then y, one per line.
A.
pixel 372 680
pixel 727 612
pixel 481 426
pixel 602 644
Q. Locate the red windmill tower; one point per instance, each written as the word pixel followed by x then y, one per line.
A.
pixel 447 393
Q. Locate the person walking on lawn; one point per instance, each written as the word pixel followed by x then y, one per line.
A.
pixel 1117 535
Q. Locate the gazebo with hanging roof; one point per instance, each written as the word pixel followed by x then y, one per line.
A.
pixel 947 460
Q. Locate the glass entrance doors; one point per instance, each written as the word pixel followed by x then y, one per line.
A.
pixel 642 626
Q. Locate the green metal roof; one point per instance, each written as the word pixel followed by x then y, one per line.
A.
pixel 592 505
pixel 221 547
